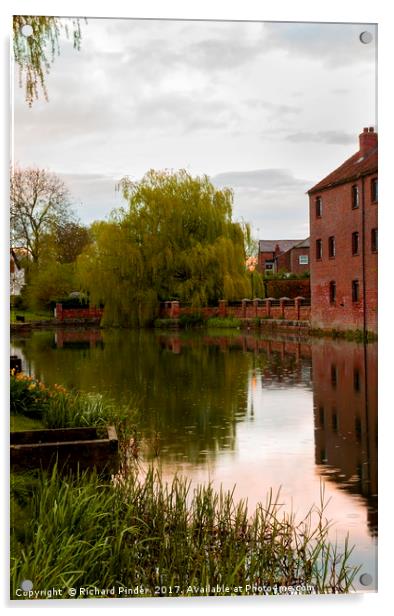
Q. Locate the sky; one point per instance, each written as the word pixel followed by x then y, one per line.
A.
pixel 267 109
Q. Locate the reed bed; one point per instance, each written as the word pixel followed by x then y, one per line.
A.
pixel 81 531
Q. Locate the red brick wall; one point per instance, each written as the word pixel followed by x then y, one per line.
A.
pixel 340 220
pixel 295 266
pixel 64 314
pixel 248 310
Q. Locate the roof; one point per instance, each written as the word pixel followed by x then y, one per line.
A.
pixel 284 245
pixel 353 168
pixel 303 244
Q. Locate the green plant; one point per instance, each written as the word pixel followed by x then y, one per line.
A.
pixel 81 531
pixel 27 396
pixel 224 322
pixel 194 319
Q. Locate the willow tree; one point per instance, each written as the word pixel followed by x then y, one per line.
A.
pixel 175 240
pixel 36 44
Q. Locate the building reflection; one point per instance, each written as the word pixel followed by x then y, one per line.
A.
pixel 345 418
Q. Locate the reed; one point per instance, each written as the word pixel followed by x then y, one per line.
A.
pixel 81 531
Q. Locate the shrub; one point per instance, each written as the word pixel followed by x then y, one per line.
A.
pixel 28 396
pixel 194 319
pixel 226 322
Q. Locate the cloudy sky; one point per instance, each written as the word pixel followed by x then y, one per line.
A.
pixel 267 109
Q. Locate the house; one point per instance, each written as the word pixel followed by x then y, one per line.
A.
pixel 283 255
pixel 17 273
pixel 343 210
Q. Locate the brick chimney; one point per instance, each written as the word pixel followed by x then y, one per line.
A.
pixel 368 140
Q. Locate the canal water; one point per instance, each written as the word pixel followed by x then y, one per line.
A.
pixel 240 410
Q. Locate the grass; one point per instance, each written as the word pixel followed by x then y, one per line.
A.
pixel 30 316
pixel 21 422
pixel 224 322
pixel 82 531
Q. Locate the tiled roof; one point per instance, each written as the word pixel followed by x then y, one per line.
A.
pixel 352 169
pixel 303 244
pixel 270 245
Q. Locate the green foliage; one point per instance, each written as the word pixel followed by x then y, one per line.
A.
pixel 70 239
pixel 166 323
pixel 34 54
pixel 80 531
pixel 191 320
pixel 58 408
pixel 226 322
pixel 49 282
pixel 176 240
pixel 27 396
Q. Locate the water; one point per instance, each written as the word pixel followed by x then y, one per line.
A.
pixel 240 410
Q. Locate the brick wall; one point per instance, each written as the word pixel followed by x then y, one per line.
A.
pixel 297 309
pixel 339 219
pixel 65 314
pixel 295 266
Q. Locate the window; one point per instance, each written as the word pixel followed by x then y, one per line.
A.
pixel 319 207
pixel 331 247
pixel 355 291
pixel 355 242
pixel 355 197
pixel 333 292
pixel 374 240
pixel 319 250
pixel 303 259
pixel 269 266
pixel 374 190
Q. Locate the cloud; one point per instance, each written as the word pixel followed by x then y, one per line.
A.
pixel 93 195
pixel 273 199
pixel 333 45
pixel 260 179
pixel 334 137
pixel 184 112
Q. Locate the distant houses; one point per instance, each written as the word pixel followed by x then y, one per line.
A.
pixel 341 253
pixel 343 210
pixel 291 256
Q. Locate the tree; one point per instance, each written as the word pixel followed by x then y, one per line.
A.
pixel 176 240
pixel 49 282
pixel 35 53
pixel 70 239
pixel 39 205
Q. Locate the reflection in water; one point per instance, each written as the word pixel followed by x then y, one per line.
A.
pixel 240 409
pixel 345 409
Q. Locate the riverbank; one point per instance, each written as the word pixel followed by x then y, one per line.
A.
pixel 140 533
pixel 150 533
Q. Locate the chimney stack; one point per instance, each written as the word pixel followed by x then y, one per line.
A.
pixel 368 140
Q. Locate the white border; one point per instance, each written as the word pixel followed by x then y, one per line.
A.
pixel 282 10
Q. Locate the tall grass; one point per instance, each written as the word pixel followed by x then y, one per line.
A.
pixel 79 531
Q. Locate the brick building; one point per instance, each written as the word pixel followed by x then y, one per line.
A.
pixel 283 255
pixel 343 211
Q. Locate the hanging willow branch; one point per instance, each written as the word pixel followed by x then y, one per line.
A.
pixel 35 54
